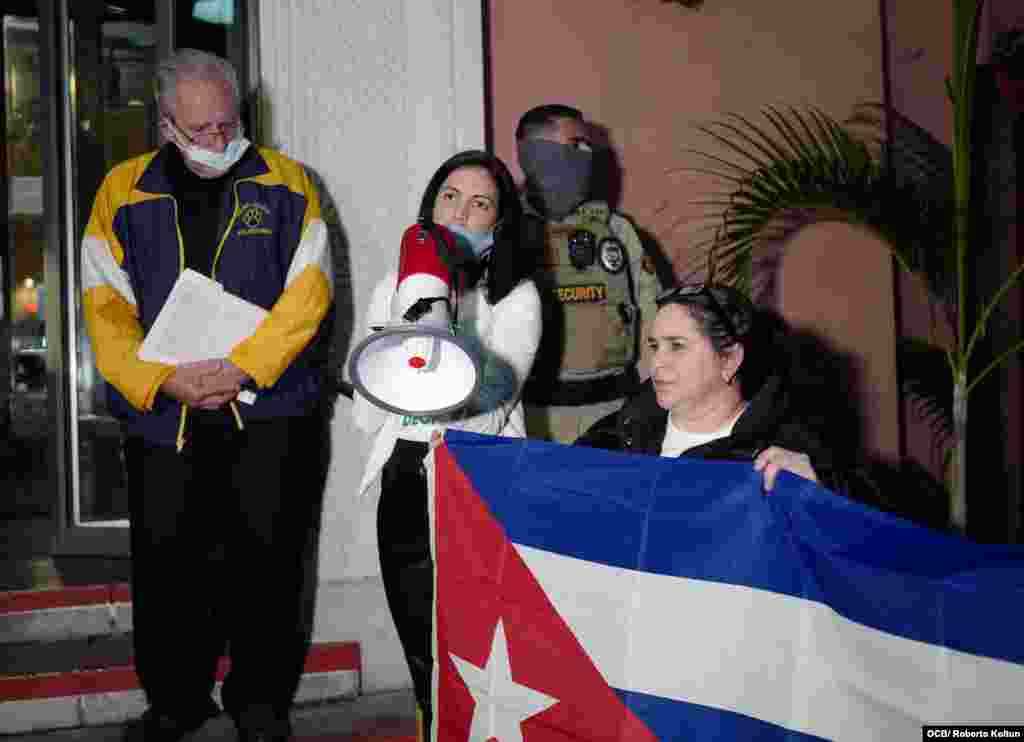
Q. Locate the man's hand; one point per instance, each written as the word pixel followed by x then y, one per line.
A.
pixel 205 384
pixel 228 377
pixel 222 385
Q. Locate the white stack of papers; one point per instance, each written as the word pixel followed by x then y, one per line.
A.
pixel 200 321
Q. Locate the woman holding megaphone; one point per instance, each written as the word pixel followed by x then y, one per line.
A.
pixel 465 262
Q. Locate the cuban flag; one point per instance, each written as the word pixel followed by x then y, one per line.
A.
pixel 589 595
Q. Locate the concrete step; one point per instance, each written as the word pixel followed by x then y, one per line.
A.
pixel 111 694
pixel 64 613
pixel 380 717
pixel 47 657
pixel 67 660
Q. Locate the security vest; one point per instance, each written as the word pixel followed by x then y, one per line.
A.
pixel 591 321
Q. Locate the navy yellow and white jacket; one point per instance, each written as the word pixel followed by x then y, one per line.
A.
pixel 273 251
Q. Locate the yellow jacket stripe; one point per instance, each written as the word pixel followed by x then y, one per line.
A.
pixel 108 301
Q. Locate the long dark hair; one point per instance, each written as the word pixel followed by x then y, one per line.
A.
pixel 510 262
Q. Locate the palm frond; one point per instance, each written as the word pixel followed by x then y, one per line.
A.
pixel 928 384
pixel 799 166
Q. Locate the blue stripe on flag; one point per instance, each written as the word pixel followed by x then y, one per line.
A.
pixel 709 521
pixel 675 720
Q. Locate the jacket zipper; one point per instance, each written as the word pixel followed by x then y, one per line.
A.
pixel 180 441
pixel 213 275
pixel 224 237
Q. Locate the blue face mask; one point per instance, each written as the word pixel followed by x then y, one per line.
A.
pixel 476 243
pixel 219 162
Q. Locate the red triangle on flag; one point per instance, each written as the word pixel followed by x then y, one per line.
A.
pixel 483 585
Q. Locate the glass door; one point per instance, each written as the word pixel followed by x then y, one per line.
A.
pixel 29 387
pixel 77 101
pixel 113 52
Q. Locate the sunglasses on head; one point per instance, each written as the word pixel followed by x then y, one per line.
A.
pixel 698 289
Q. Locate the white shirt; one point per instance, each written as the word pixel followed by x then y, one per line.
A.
pixel 678 440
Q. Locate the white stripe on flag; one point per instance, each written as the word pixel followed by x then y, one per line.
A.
pixel 785 660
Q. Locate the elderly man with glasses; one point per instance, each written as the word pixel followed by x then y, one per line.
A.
pixel 224 456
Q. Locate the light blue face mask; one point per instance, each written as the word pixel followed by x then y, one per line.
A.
pixel 220 162
pixel 477 243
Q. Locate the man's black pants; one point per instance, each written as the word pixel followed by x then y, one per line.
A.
pixel 223 546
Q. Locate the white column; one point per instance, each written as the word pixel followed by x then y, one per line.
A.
pixel 372 95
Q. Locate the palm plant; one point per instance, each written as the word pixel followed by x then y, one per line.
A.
pixel 794 167
pixel 798 167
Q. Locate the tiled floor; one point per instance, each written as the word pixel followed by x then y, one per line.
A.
pixel 40 571
pixel 27 544
pixel 28 499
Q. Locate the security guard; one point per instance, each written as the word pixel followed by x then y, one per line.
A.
pixel 597 286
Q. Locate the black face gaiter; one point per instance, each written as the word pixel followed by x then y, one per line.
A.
pixel 558 174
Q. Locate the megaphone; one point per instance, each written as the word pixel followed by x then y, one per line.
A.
pixel 417 365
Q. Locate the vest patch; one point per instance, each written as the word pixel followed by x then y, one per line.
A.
pixel 590 292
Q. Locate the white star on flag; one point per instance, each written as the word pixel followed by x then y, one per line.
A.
pixel 502 704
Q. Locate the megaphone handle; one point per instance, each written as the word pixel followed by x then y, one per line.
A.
pixel 453 306
pixel 422 305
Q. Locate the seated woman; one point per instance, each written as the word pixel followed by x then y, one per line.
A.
pixel 474 196
pixel 705 399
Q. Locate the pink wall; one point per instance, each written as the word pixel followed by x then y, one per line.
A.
pixel 650 71
pixel 836 282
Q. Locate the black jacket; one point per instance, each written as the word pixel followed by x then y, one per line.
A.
pixel 769 420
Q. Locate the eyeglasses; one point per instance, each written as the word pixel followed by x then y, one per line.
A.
pixel 205 134
pixel 699 289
